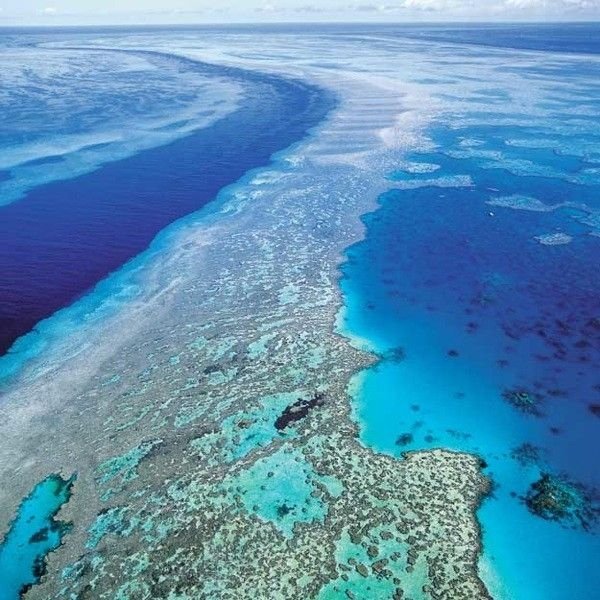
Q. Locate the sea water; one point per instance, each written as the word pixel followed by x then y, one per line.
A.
pixel 34 532
pixel 478 286
pixel 102 149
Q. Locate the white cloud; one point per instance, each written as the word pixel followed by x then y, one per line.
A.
pixel 430 4
pixel 523 4
pixel 550 4
pixel 375 7
pixel 411 5
pixel 183 11
pixel 581 4
pixel 309 8
pixel 267 8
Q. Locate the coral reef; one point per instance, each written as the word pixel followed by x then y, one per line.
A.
pixel 558 499
pixel 527 454
pixel 209 419
pixel 523 400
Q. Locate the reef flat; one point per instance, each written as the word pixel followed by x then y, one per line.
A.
pixel 185 484
pixel 208 419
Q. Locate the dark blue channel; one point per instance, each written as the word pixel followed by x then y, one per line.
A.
pixel 64 237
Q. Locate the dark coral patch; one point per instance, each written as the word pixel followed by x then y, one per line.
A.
pixel 298 411
pixel 523 400
pixel 39 569
pixel 396 355
pixel 527 454
pixel 283 510
pixel 558 499
pixel 39 536
pixel 404 439
pixel 595 409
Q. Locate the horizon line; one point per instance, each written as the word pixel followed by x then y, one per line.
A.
pixel 296 23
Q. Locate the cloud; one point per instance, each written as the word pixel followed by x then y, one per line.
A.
pixel 309 8
pixel 375 7
pixel 413 5
pixel 471 6
pixel 267 8
pixel 581 4
pixel 435 5
pixel 551 4
pixel 523 4
pixel 75 11
pixel 271 8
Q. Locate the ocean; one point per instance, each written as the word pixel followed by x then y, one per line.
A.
pixel 102 150
pixel 476 285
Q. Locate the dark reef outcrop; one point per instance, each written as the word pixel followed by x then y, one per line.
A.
pixel 558 499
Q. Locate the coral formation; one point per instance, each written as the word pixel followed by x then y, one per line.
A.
pixel 558 499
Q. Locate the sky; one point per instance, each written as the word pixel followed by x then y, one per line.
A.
pixel 99 12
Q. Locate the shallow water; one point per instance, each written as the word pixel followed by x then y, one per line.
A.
pixel 33 534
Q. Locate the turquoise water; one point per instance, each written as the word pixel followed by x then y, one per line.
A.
pixel 33 534
pixel 490 339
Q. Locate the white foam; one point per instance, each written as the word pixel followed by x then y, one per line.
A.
pixel 448 181
pixel 525 168
pixel 470 143
pixel 572 145
pixel 591 219
pixel 554 239
pixel 471 152
pixel 419 168
pixel 519 202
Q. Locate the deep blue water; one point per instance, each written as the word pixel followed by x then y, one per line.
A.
pixel 490 341
pixel 555 37
pixel 63 237
pixel 576 37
